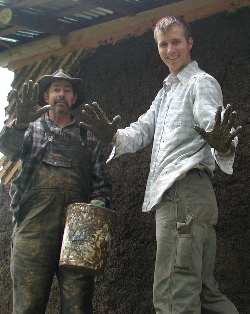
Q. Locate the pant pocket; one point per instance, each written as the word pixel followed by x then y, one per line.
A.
pixel 184 253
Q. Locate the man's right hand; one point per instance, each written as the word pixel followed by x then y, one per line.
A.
pixel 27 109
pixel 98 124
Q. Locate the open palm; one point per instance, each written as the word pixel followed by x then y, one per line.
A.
pixel 27 108
pixel 98 124
pixel 220 137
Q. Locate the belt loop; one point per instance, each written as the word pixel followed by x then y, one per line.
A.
pixel 201 173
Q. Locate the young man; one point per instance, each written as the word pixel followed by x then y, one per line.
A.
pixel 182 162
pixel 61 164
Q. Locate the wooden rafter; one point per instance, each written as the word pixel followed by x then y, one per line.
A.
pixel 10 30
pixel 118 6
pixel 134 26
pixel 107 33
pixel 44 45
pixel 28 4
pixel 36 22
pixel 67 12
pixel 74 10
pixel 2 43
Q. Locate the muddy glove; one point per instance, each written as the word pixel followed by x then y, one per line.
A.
pixel 27 109
pixel 98 124
pixel 97 203
pixel 220 138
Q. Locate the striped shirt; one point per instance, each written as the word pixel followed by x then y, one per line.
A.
pixel 29 145
pixel 189 98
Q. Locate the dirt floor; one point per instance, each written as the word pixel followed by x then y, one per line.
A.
pixel 124 78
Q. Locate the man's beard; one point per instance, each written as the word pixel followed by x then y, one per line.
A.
pixel 60 110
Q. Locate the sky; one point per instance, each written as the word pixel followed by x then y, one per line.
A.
pixel 6 78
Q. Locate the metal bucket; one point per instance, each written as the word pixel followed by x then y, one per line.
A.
pixel 87 238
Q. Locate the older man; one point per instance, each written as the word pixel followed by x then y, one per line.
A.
pixel 61 163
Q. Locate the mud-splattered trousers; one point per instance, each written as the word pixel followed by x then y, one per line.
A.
pixel 62 178
pixel 186 245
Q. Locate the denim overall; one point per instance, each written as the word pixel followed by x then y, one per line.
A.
pixel 63 177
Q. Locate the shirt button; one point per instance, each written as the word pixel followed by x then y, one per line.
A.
pixel 165 224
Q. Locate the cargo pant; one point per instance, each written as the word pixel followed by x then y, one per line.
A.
pixel 186 247
pixel 62 178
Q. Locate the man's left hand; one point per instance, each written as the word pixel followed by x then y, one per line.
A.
pixel 220 138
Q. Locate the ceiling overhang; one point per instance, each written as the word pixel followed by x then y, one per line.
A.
pixel 63 40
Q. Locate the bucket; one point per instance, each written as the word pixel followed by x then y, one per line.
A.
pixel 87 238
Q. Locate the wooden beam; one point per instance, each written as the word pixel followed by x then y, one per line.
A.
pixel 71 11
pixel 78 9
pixel 115 30
pixel 28 4
pixel 6 166
pixel 41 23
pixel 5 15
pixel 118 6
pixel 11 173
pixel 29 50
pixel 3 160
pixel 2 43
pixel 10 30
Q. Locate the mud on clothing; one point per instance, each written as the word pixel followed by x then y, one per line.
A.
pixel 36 245
pixel 29 146
pixel 59 167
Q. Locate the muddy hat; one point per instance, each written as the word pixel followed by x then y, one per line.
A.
pixel 46 80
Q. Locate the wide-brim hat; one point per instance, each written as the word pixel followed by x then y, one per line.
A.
pixel 45 81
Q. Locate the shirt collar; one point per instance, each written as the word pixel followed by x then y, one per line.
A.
pixel 51 122
pixel 183 76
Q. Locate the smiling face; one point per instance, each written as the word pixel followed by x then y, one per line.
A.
pixel 60 96
pixel 174 48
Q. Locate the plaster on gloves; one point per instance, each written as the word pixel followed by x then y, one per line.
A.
pixel 220 138
pixel 98 124
pixel 27 109
pixel 97 203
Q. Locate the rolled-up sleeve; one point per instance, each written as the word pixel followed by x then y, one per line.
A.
pixel 101 182
pixel 138 135
pixel 208 98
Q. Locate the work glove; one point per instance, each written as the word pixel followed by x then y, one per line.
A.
pixel 27 108
pixel 220 138
pixel 97 203
pixel 98 124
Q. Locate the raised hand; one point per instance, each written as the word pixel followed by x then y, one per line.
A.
pixel 220 138
pixel 98 124
pixel 27 109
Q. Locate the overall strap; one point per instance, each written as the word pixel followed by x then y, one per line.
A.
pixel 83 134
pixel 49 133
pixel 46 127
pixel 47 130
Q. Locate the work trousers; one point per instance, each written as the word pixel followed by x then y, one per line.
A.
pixel 186 246
pixel 36 246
